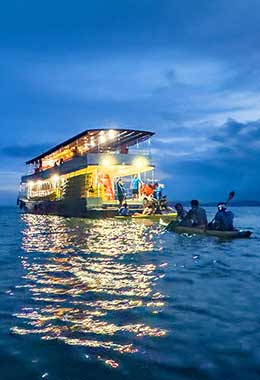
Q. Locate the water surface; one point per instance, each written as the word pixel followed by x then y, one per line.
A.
pixel 86 299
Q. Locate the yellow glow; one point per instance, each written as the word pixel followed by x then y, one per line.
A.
pixel 102 139
pixel 107 161
pixel 55 178
pixel 112 134
pixel 140 162
pixel 30 183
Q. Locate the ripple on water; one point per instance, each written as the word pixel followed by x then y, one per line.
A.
pixel 80 291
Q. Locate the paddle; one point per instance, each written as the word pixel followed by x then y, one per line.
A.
pixel 230 197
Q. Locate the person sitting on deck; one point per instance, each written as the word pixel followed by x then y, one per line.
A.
pixel 196 216
pixel 164 205
pixel 75 151
pixel 223 220
pixel 149 209
pixel 155 205
pixel 124 211
pixel 181 212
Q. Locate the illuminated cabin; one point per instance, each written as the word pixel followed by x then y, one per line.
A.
pixel 78 177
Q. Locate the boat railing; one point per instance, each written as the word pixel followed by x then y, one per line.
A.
pixel 117 158
pixel 80 162
pixel 76 163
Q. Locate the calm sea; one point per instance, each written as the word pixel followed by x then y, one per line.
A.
pixel 114 299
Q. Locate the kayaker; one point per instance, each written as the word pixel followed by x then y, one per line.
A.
pixel 223 220
pixel 181 212
pixel 196 216
pixel 124 211
pixel 121 191
pixel 135 183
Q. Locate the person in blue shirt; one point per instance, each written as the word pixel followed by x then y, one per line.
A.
pixel 157 194
pixel 223 220
pixel 135 183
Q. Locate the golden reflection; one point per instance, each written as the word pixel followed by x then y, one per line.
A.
pixel 85 281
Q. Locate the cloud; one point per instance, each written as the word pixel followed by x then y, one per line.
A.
pixel 228 158
pixel 24 151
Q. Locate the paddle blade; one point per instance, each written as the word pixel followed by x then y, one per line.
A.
pixel 230 196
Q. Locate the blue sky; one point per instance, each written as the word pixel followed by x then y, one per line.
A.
pixel 187 70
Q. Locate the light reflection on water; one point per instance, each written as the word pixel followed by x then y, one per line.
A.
pixel 84 285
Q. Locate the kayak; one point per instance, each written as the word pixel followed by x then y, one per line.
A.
pixel 236 234
pixel 171 216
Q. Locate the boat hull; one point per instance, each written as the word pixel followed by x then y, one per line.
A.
pixel 170 217
pixel 73 208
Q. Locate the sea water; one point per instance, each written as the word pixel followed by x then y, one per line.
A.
pixel 116 299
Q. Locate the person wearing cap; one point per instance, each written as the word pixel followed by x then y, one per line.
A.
pixel 223 220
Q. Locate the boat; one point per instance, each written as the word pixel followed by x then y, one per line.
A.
pixel 78 176
pixel 236 234
pixel 170 216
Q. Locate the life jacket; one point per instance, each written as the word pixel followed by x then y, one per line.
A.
pixel 146 190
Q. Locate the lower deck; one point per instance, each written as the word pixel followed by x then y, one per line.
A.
pixel 77 208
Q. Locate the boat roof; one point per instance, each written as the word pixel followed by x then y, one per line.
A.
pixel 125 137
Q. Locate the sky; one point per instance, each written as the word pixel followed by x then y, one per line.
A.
pixel 187 70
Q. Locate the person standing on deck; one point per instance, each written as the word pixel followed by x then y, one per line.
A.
pixel 135 183
pixel 121 191
pixel 158 188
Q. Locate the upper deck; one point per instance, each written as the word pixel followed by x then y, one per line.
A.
pixel 90 147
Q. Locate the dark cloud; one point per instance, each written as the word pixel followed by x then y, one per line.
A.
pixel 211 173
pixel 23 151
pixel 239 139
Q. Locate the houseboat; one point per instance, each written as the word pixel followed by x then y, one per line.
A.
pixel 78 177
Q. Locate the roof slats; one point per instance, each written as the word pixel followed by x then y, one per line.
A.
pixel 127 137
